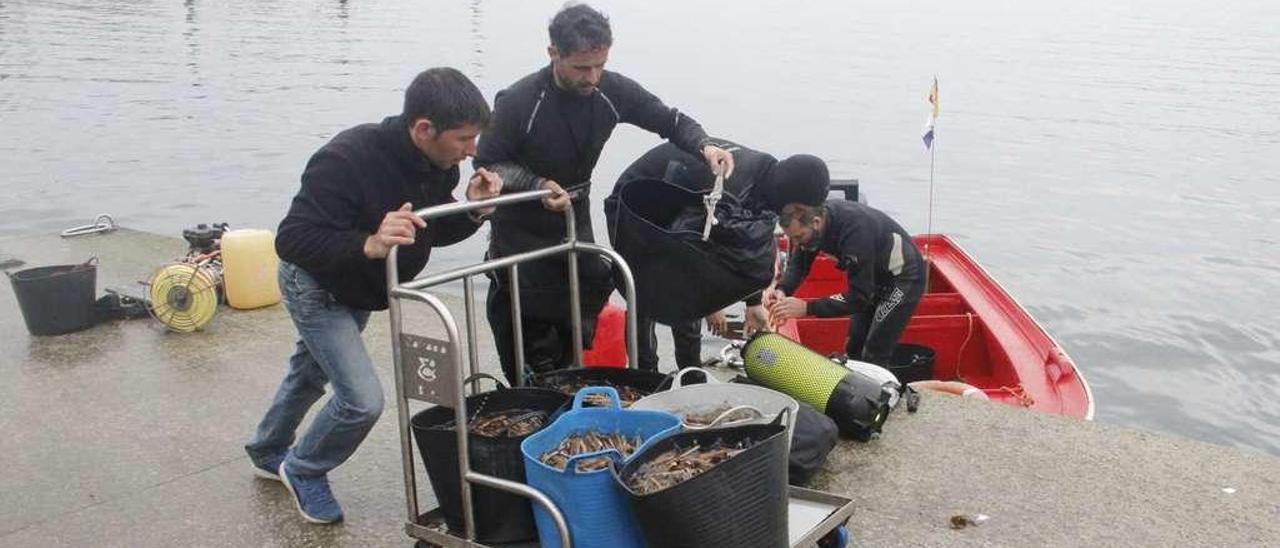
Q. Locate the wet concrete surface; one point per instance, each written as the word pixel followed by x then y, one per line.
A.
pixel 127 435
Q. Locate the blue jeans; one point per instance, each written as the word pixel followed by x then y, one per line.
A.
pixel 329 350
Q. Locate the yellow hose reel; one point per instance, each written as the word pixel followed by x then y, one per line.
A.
pixel 184 296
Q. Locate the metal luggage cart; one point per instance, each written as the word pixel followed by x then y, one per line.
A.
pixel 430 370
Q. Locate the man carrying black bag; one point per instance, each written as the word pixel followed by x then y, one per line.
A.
pixel 752 197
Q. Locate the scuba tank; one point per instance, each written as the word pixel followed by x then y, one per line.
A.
pixel 857 402
pixel 886 378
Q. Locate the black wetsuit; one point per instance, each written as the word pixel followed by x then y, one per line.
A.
pixel 885 275
pixel 750 183
pixel 539 132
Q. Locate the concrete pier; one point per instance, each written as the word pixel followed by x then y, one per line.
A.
pixel 126 435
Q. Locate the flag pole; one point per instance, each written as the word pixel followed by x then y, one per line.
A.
pixel 930 136
pixel 928 258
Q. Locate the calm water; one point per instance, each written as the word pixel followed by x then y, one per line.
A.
pixel 1113 164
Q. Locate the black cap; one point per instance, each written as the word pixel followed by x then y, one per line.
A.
pixel 800 179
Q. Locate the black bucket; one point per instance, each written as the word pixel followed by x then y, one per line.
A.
pixel 57 299
pixel 740 502
pixel 500 516
pixel 643 382
pixel 911 363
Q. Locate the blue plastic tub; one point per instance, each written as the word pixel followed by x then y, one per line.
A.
pixel 592 502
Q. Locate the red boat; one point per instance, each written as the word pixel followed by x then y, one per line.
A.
pixel 981 335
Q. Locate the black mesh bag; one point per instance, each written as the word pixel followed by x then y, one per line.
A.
pixel 657 227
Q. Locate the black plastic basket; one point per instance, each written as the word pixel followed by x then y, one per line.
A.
pixel 57 299
pixel 500 516
pixel 644 382
pixel 740 502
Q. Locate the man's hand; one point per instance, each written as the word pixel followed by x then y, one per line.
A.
pixel 719 159
pixel 558 201
pixel 756 319
pixel 788 308
pixel 771 296
pixel 484 184
pixel 398 228
pixel 717 323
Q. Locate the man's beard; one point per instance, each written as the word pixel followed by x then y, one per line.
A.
pixel 814 243
pixel 574 87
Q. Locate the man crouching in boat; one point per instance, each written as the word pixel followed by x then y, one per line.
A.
pixel 885 273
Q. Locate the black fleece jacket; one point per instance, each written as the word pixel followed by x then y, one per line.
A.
pixel 348 186
pixel 539 131
pixel 862 240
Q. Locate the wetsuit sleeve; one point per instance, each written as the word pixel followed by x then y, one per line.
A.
pixel 643 109
pixel 798 264
pixel 319 232
pixel 499 146
pixel 830 307
pixel 857 258
pixel 516 178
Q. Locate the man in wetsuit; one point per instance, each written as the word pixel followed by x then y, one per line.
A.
pixel 547 132
pixel 755 183
pixel 885 273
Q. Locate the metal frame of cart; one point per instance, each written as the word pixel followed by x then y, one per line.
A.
pixel 430 370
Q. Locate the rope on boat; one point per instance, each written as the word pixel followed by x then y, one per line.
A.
pixel 1019 392
pixel 960 353
pixel 1016 390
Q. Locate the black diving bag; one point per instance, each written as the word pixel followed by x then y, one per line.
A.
pixel 657 227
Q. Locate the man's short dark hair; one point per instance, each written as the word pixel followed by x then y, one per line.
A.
pixel 580 27
pixel 447 98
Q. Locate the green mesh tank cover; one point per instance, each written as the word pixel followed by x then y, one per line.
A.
pixel 789 367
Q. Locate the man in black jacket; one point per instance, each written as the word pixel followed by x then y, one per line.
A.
pixel 356 203
pixel 757 183
pixel 547 133
pixel 885 273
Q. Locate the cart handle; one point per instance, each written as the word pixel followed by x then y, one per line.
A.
pixel 453 208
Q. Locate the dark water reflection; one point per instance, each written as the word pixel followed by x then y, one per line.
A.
pixel 1113 164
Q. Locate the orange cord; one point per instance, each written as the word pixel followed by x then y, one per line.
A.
pixel 1016 390
pixel 1019 392
pixel 960 353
